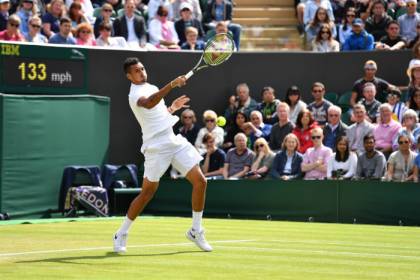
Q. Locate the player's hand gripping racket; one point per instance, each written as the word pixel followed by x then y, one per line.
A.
pixel 218 49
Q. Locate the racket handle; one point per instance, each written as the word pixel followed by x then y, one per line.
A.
pixel 189 74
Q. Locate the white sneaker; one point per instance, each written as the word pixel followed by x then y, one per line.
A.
pixel 120 241
pixel 199 239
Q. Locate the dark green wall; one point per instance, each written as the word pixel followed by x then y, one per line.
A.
pixel 39 136
pixel 367 202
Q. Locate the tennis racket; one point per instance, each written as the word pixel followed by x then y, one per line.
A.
pixel 218 49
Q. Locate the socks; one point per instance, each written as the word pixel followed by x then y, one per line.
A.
pixel 125 226
pixel 196 220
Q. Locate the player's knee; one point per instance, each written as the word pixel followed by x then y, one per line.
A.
pixel 147 194
pixel 202 182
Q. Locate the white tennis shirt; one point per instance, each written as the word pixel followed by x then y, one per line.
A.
pixel 154 120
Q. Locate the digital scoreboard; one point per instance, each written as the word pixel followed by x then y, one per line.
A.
pixel 43 69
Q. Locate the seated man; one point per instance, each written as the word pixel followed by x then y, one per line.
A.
pixel 315 160
pixel 357 131
pixel 370 103
pixel 257 128
pixel 320 105
pixel 392 40
pixel 239 159
pixel 64 36
pixel 377 23
pixel 186 21
pixel 241 102
pixel 371 164
pixel 359 39
pixel 268 106
pixel 386 130
pixel 282 128
pixel 214 158
pixel 334 128
pixel 221 11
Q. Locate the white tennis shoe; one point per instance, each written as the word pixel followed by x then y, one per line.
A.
pixel 120 241
pixel 199 239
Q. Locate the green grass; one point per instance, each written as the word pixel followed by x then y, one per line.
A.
pixel 243 249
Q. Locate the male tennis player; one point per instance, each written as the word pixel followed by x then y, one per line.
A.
pixel 161 147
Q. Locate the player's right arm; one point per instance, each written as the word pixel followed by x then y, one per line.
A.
pixel 155 98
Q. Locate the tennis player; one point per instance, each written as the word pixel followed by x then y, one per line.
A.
pixel 161 147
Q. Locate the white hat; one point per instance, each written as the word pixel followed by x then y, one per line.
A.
pixel 4 1
pixel 414 63
pixel 184 5
pixel 409 1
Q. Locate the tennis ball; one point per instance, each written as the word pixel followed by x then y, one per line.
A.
pixel 221 121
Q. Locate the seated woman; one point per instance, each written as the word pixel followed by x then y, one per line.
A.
pixel 84 35
pixel 324 41
pixel 162 31
pixel 76 15
pixel 209 118
pixel 235 128
pixel 304 125
pixel 401 167
pixel 287 162
pixel 343 163
pixel 262 161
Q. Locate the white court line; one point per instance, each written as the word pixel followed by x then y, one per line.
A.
pixel 110 248
pixel 320 252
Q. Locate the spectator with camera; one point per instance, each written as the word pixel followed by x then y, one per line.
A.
pixel 343 163
pixel 241 102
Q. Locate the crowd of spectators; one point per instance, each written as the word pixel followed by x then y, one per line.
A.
pixel 347 25
pixel 137 24
pixel 284 138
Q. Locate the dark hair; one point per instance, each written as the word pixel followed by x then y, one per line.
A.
pixel 130 61
pixel 162 11
pixel 208 136
pixel 105 26
pixel 242 114
pixel 268 88
pixel 383 3
pixel 392 22
pixel 412 103
pixel 300 115
pixel 290 90
pixel 315 20
pixel 345 22
pixel 64 20
pixel 368 137
pixel 346 153
pixel 318 37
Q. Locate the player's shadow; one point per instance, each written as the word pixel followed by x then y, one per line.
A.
pixel 108 255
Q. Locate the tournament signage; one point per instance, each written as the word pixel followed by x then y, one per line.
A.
pixel 42 69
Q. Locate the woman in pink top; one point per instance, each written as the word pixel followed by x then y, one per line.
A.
pixel 84 35
pixel 12 33
pixel 162 31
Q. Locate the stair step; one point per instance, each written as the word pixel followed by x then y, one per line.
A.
pixel 264 12
pixel 261 31
pixel 264 3
pixel 267 41
pixel 266 21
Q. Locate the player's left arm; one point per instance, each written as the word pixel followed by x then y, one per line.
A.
pixel 179 103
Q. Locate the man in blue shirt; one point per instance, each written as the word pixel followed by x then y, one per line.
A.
pixel 359 39
pixel 64 36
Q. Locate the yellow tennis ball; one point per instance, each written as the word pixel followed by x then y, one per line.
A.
pixel 221 121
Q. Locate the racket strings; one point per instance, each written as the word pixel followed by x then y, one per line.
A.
pixel 220 45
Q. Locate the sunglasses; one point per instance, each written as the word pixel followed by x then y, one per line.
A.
pixel 350 15
pixel 393 95
pixel 36 26
pixel 317 91
pixel 14 24
pixel 316 137
pixel 107 10
pixel 403 142
pixel 260 145
pixel 210 120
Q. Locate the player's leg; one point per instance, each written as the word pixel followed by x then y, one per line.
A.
pixel 186 161
pixel 154 166
pixel 199 185
pixel 136 208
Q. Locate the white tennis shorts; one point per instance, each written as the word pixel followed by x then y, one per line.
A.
pixel 165 149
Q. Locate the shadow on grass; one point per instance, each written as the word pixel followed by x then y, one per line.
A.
pixel 108 255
